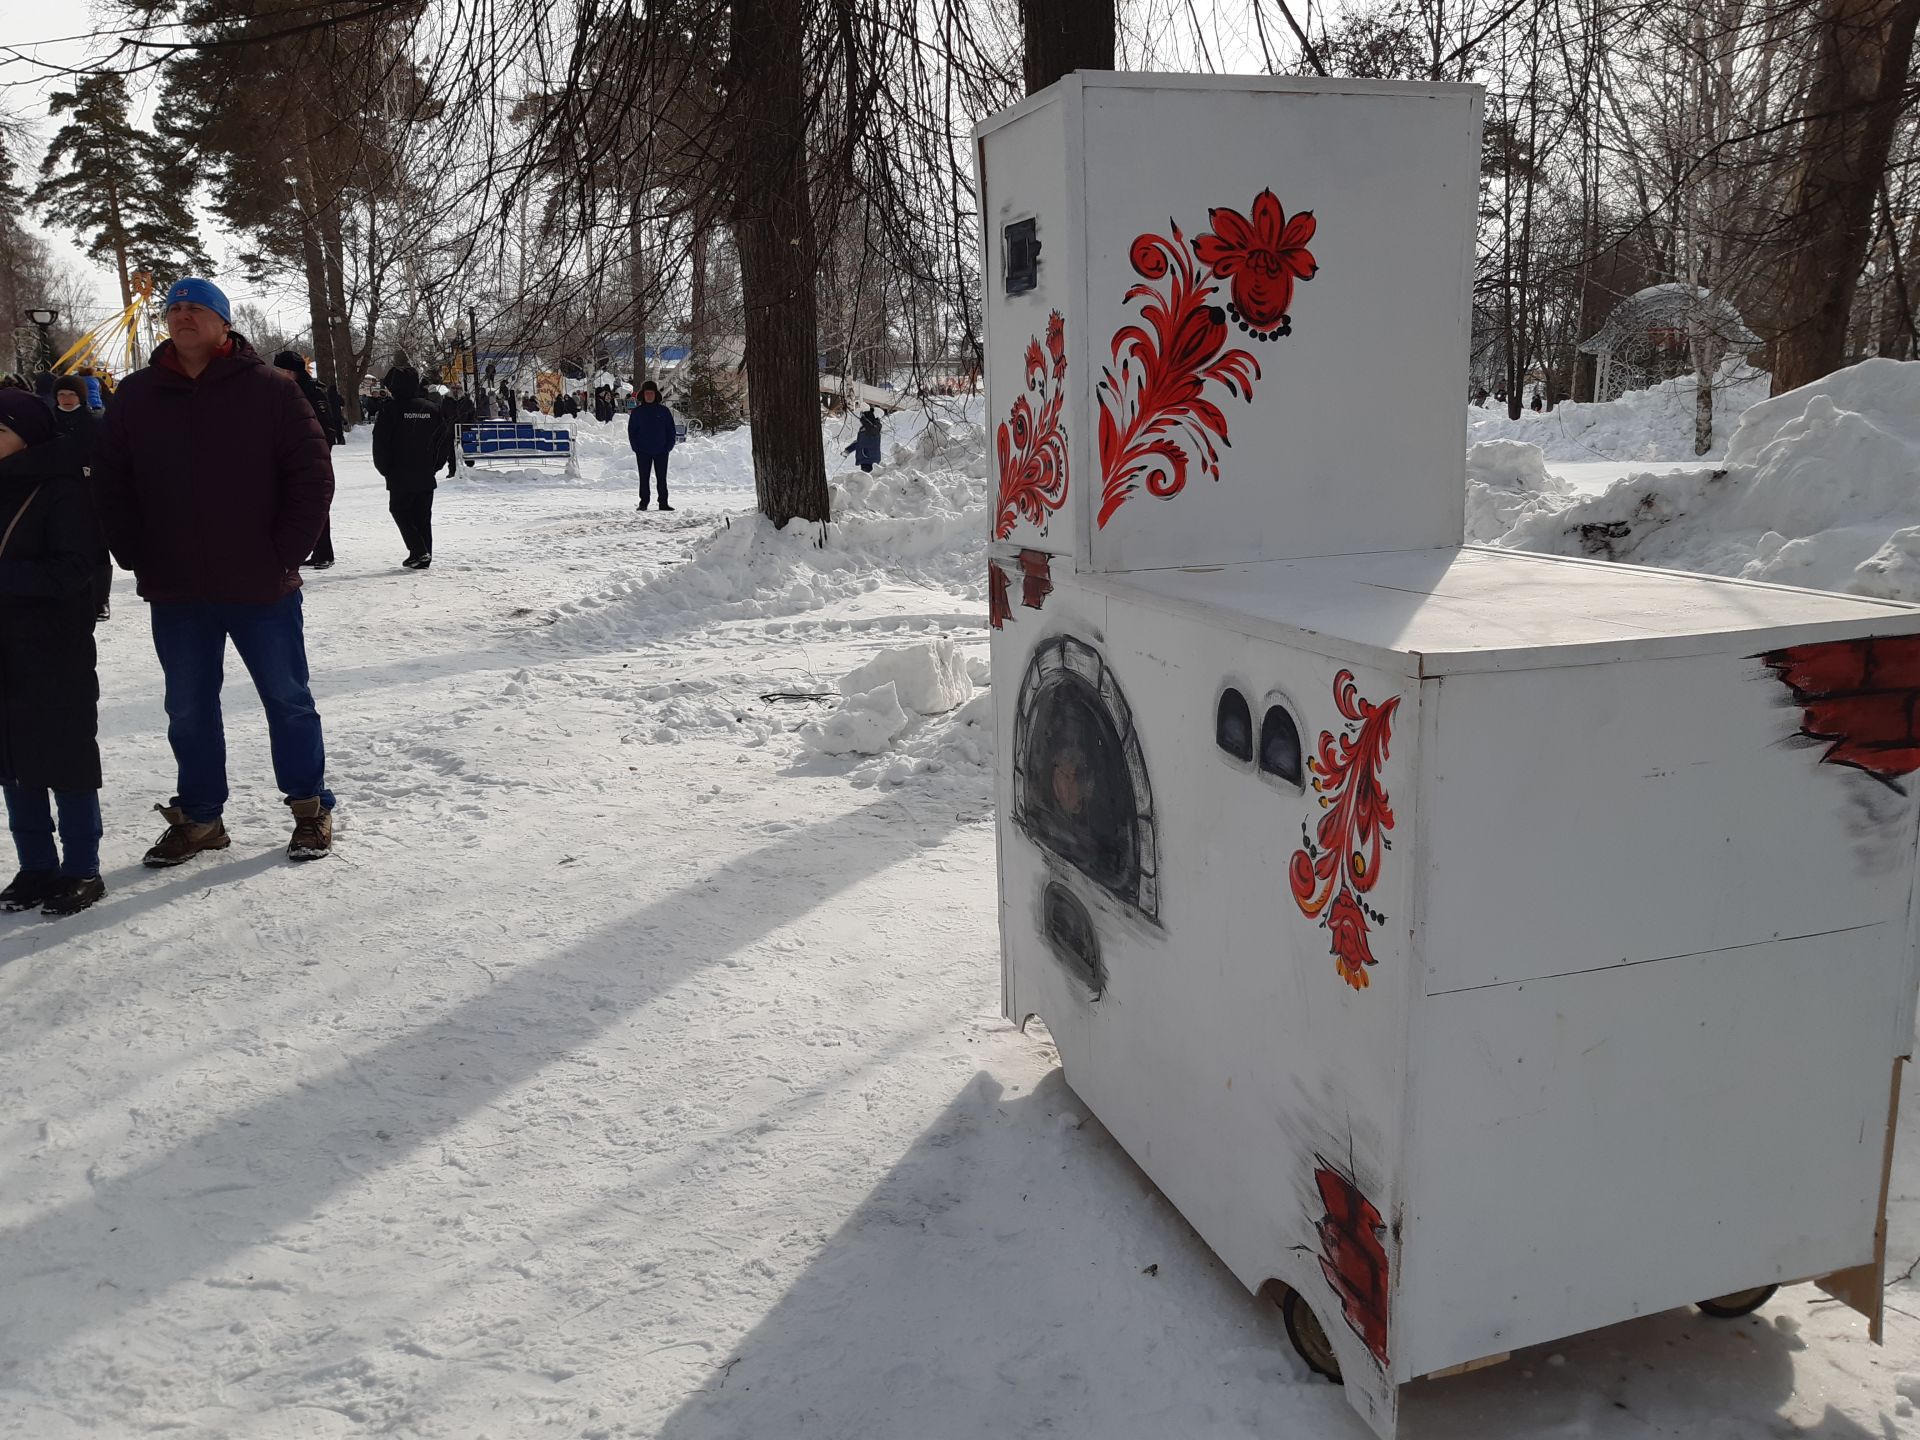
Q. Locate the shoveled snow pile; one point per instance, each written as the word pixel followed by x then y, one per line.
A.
pixel 864 724
pixel 1821 487
pixel 1506 480
pixel 886 699
pixel 930 678
pixel 1652 424
pixel 920 521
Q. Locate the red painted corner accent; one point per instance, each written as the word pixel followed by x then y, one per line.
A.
pixel 1038 581
pixel 1352 1256
pixel 1860 698
pixel 999 608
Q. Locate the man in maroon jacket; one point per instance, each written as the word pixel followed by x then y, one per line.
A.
pixel 214 482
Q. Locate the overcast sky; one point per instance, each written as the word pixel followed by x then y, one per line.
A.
pixel 36 34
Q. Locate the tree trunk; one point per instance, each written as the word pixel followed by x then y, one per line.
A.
pixel 314 263
pixel 1860 71
pixel 1063 36
pixel 698 341
pixel 637 281
pixel 119 243
pixel 340 332
pixel 773 230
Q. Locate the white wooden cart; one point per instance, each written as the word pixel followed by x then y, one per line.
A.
pixel 1477 947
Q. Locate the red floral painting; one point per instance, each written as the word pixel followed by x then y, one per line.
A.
pixel 1031 446
pixel 1153 404
pixel 1156 418
pixel 1859 698
pixel 1263 257
pixel 1353 1256
pixel 1338 862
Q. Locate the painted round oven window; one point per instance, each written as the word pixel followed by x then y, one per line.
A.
pixel 1079 798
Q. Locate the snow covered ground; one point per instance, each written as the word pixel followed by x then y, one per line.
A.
pixel 635 1068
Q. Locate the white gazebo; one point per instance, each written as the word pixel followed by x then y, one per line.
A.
pixel 1648 337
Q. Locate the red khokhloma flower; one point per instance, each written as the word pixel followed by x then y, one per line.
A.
pixel 1262 257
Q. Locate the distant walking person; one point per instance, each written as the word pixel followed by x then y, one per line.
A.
pixel 214 480
pixel 865 448
pixel 412 439
pixel 650 431
pixel 49 693
pixel 322 403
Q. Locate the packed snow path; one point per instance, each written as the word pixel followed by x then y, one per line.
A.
pixel 631 1072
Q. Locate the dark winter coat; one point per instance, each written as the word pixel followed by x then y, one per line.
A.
pixel 214 489
pixel 603 406
pixel 80 425
pixel 322 403
pixel 865 448
pixel 650 429
pixel 49 694
pixel 412 439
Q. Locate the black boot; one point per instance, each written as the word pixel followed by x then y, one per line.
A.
pixel 29 889
pixel 74 894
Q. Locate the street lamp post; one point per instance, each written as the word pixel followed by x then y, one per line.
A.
pixel 44 320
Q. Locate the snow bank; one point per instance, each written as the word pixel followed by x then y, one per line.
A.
pixel 930 678
pixel 864 724
pixel 1821 487
pixel 920 522
pixel 1506 480
pixel 914 704
pixel 1651 424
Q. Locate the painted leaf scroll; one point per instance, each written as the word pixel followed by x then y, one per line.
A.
pixel 1338 861
pixel 1031 446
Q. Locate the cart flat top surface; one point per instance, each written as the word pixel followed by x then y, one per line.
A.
pixel 1474 608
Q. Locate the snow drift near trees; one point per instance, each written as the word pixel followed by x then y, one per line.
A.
pixel 1651 424
pixel 1821 487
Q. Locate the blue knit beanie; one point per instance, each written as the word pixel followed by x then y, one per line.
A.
pixel 201 292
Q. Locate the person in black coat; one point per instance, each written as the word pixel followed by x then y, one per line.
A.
pixel 74 420
pixel 49 693
pixel 412 439
pixel 329 417
pixel 651 432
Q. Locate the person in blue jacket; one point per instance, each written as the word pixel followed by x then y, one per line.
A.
pixel 650 431
pixel 865 448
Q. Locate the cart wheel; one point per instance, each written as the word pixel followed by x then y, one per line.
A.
pixel 1309 1339
pixel 1738 1303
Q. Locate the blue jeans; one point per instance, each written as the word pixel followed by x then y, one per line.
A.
pixel 191 641
pixel 31 820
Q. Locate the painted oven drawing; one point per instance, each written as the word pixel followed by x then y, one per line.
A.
pixel 1314 822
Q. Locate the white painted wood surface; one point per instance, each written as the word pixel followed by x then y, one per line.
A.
pixel 1466 608
pixel 1643 960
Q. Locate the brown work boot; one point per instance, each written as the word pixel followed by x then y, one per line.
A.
pixel 312 830
pixel 184 839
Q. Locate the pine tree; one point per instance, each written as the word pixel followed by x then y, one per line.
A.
pixel 125 191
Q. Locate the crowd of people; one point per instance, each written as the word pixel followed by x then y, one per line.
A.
pixel 208 474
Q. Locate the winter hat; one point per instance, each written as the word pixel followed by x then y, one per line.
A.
pixel 74 384
pixel 26 415
pixel 201 292
pixel 290 360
